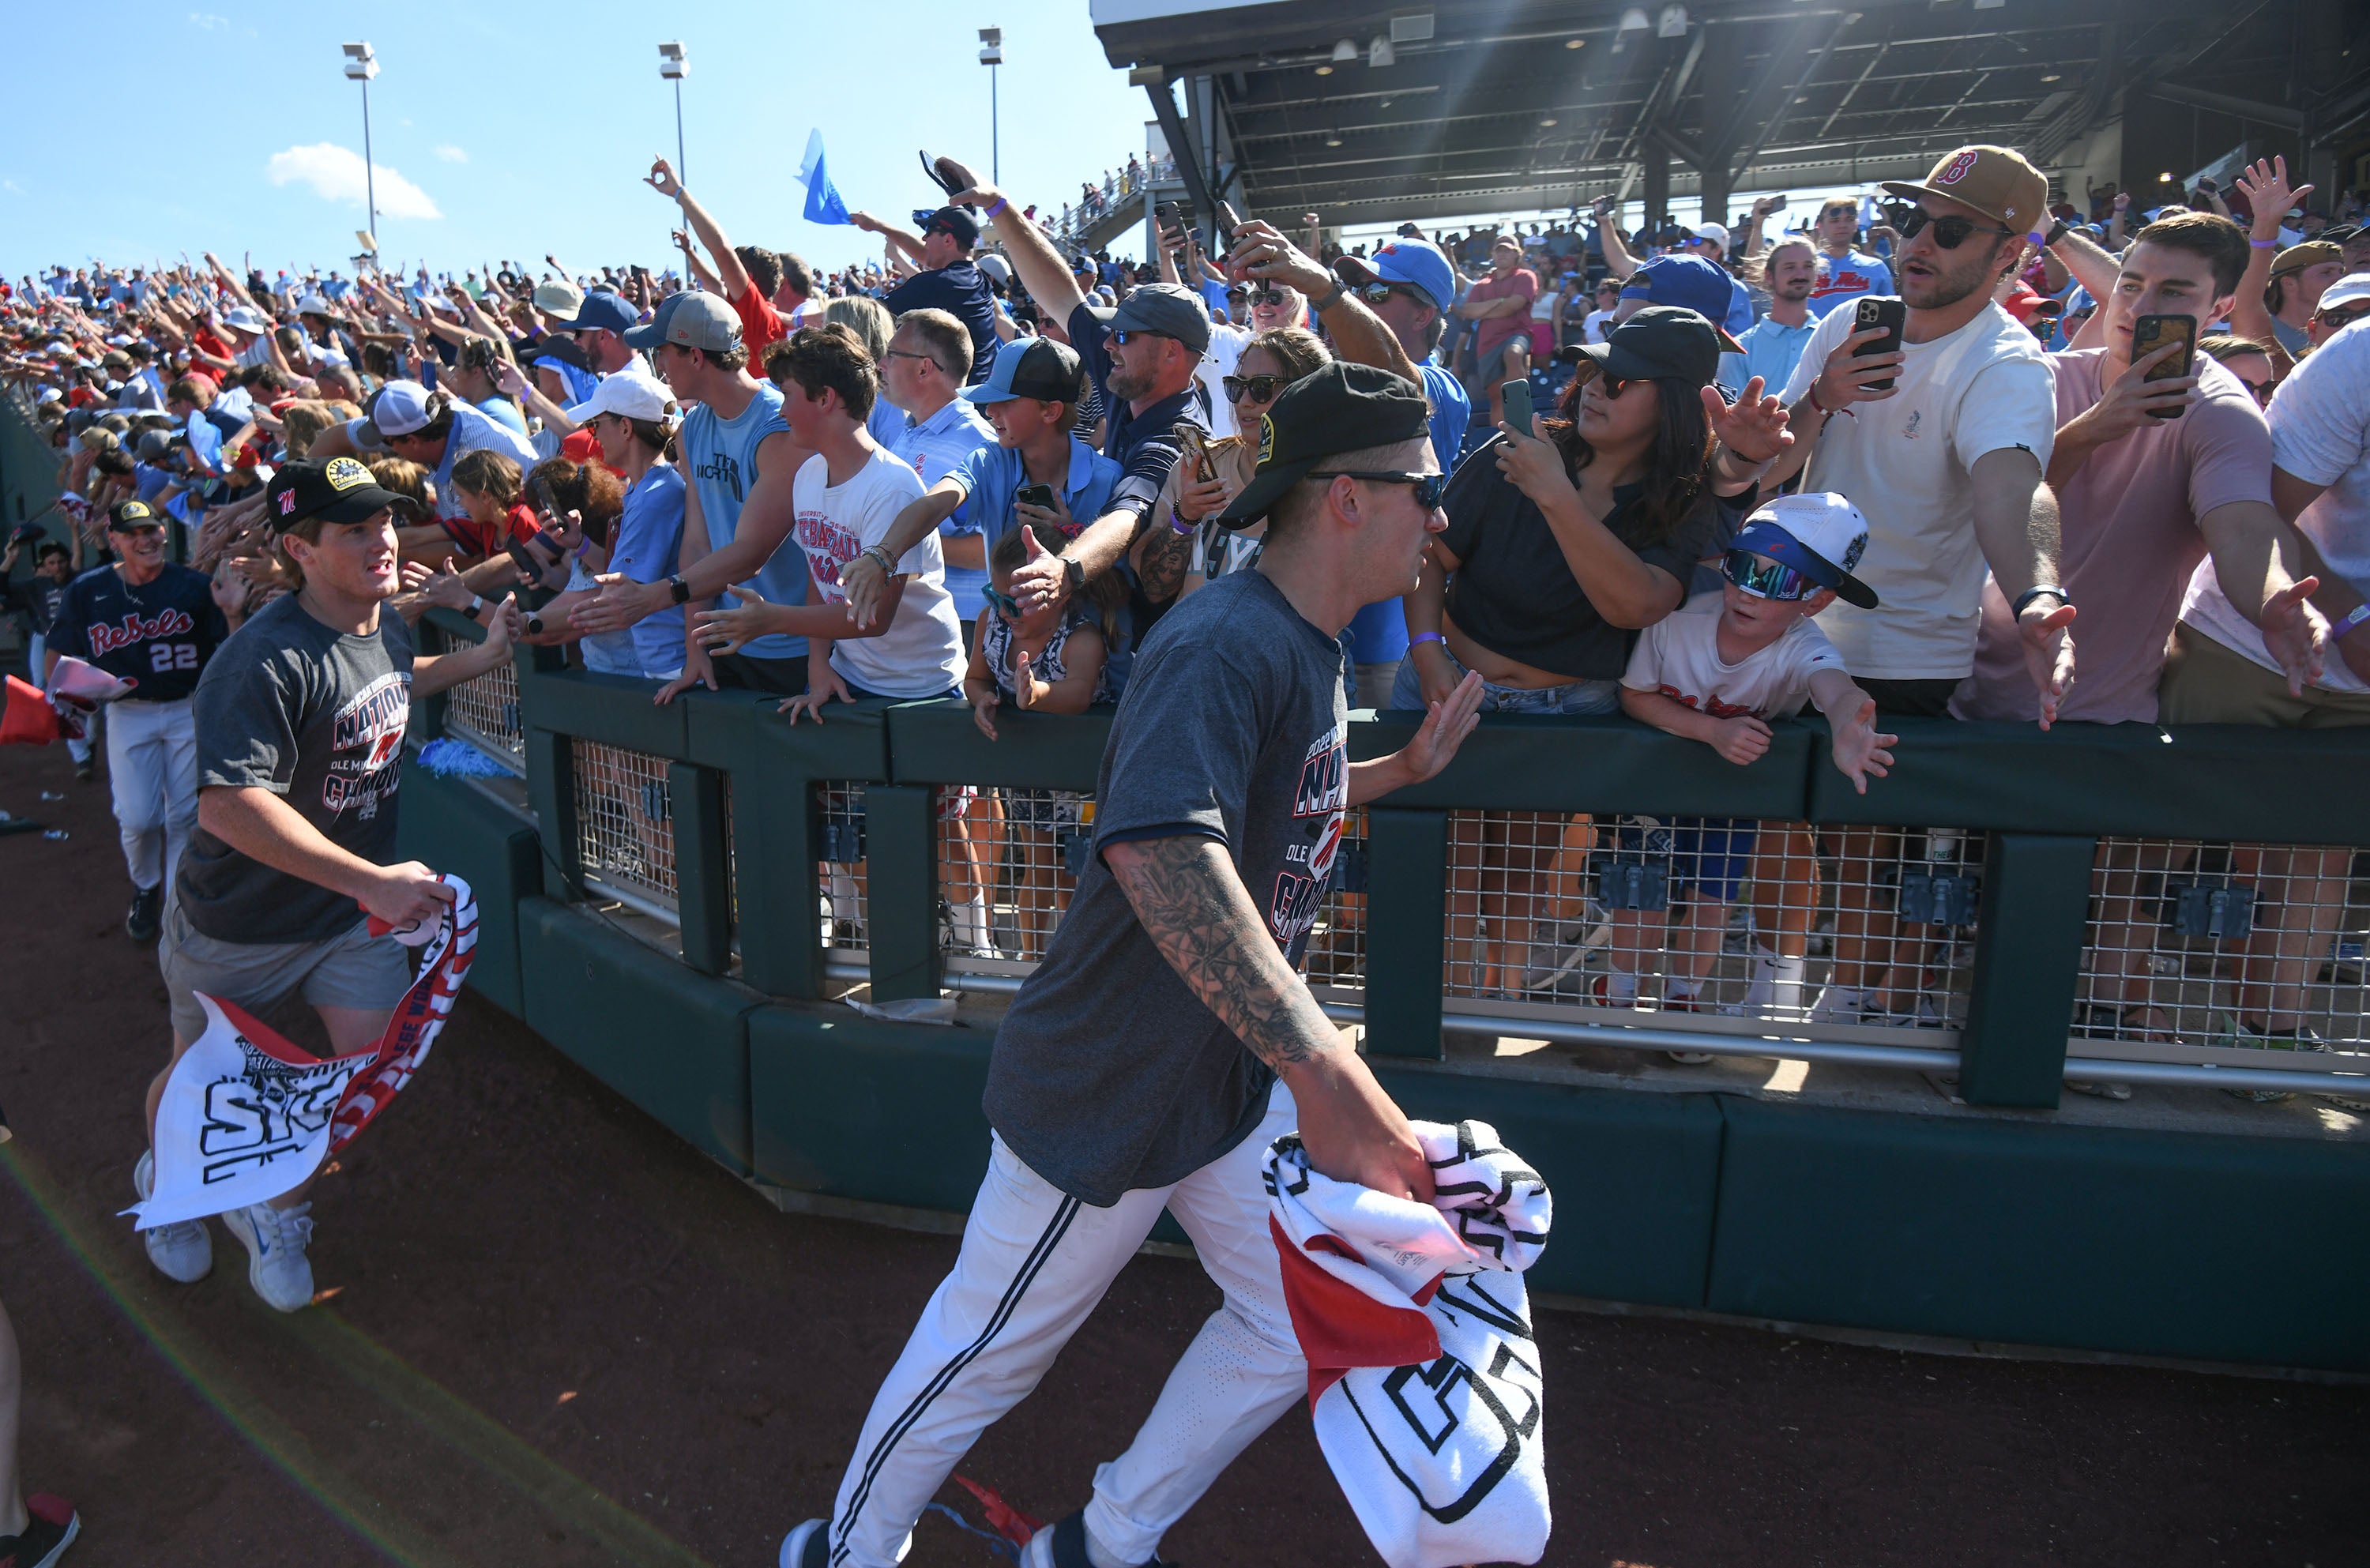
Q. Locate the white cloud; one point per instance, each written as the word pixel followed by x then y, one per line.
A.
pixel 451 154
pixel 336 174
pixel 12 188
pixel 208 20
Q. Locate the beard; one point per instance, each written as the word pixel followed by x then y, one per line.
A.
pixel 1944 289
pixel 1128 384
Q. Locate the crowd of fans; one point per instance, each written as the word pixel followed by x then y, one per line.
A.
pixel 984 465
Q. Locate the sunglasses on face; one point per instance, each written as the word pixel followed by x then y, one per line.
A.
pixel 1127 335
pixel 1272 299
pixel 1001 603
pixel 1259 388
pixel 2259 390
pixel 2342 317
pixel 1766 579
pixel 1949 233
pixel 1614 384
pixel 1427 487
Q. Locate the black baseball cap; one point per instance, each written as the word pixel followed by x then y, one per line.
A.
pixel 1169 310
pixel 956 221
pixel 126 516
pixel 1342 407
pixel 338 491
pixel 1661 342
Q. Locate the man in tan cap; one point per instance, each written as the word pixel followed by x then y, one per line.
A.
pixel 2299 274
pixel 1941 444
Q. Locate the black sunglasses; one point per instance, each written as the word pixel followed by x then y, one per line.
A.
pixel 1949 233
pixel 1428 487
pixel 2343 315
pixel 1262 387
pixel 1615 385
pixel 1271 298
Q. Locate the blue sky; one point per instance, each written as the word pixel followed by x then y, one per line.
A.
pixel 229 127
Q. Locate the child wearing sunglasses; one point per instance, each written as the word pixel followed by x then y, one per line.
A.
pixel 1055 659
pixel 1716 672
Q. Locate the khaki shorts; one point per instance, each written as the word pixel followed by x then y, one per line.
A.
pixel 2207 683
pixel 356 970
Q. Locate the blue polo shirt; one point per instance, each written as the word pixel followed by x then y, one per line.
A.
pixel 933 449
pixel 992 475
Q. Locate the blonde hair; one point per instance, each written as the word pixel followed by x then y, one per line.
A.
pixel 868 318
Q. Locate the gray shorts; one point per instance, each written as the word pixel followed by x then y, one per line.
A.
pixel 356 970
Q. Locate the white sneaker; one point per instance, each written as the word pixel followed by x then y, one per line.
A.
pixel 182 1251
pixel 1838 1004
pixel 275 1240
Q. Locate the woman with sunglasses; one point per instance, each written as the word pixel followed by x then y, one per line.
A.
pixel 1269 364
pixel 1563 541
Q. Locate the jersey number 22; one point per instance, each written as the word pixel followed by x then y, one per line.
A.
pixel 162 656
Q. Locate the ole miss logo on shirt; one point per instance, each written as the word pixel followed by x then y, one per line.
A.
pixel 1321 801
pixel 373 725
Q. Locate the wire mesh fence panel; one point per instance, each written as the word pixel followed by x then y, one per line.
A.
pixel 624 821
pixel 484 710
pixel 1689 922
pixel 1335 958
pixel 839 856
pixel 1009 860
pixel 2198 948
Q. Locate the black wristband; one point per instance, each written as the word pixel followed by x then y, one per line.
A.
pixel 2056 232
pixel 1076 573
pixel 2015 611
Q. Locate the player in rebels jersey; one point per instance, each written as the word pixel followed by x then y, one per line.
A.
pixel 152 625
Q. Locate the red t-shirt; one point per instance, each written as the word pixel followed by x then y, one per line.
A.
pixel 761 325
pixel 475 538
pixel 1521 283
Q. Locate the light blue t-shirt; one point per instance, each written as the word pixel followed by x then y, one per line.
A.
pixel 720 457
pixel 1842 279
pixel 1771 349
pixel 993 475
pixel 933 449
pixel 648 547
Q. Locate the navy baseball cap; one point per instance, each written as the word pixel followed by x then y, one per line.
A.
pixel 605 310
pixel 955 221
pixel 1689 281
pixel 1414 261
pixel 1029 367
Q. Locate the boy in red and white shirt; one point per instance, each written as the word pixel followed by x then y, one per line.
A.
pixel 1715 672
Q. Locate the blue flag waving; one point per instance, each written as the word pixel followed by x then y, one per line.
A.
pixel 824 206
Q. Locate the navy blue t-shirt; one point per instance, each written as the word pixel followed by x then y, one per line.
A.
pixel 157 636
pixel 960 289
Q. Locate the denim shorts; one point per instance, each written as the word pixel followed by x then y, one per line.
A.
pixel 1573 697
pixel 1713 855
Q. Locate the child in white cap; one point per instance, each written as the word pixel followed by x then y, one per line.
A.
pixel 1716 672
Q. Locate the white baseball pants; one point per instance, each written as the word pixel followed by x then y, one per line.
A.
pixel 1034 1263
pixel 152 770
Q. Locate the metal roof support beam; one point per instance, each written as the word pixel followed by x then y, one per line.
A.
pixel 1740 155
pixel 2246 108
pixel 1181 147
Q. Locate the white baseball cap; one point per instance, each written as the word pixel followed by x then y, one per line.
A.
pixel 632 394
pixel 400 407
pixel 246 319
pixel 1819 534
pixel 315 304
pixel 1715 233
pixel 2351 289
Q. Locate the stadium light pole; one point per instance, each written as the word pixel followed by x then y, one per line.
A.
pixel 991 54
pixel 362 65
pixel 673 66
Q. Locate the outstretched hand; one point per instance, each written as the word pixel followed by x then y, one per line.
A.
pixel 2049 655
pixel 1446 724
pixel 1860 749
pixel 2295 633
pixel 1753 427
pixel 1040 578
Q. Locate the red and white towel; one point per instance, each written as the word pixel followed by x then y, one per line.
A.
pixel 1423 1377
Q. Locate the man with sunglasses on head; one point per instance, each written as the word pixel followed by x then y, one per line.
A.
pixel 949 280
pixel 1141 358
pixel 1946 462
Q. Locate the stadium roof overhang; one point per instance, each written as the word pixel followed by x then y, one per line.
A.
pixel 1365 112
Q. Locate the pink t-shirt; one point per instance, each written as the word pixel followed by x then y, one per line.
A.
pixel 1522 283
pixel 2131 540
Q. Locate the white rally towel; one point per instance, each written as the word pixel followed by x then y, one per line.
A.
pixel 1423 1379
pixel 246 1116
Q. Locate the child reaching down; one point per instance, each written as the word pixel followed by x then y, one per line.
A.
pixel 1049 659
pixel 1716 672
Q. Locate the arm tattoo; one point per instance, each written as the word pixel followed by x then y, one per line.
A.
pixel 1197 912
pixel 1161 567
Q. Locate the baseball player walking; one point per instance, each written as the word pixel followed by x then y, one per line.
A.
pixel 299 751
pixel 154 625
pixel 1138 1069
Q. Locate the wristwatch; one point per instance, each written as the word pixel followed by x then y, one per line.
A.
pixel 678 590
pixel 2056 232
pixel 1332 299
pixel 2015 611
pixel 1076 572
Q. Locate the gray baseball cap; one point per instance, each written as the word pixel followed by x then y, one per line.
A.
pixel 693 321
pixel 1166 309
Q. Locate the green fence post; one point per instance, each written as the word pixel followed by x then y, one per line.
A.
pixel 703 892
pixel 2036 903
pixel 1407 925
pixel 551 790
pixel 900 847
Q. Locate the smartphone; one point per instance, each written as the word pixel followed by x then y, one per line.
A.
pixel 1170 217
pixel 1516 397
pixel 1888 314
pixel 2150 333
pixel 1034 495
pixel 1190 451
pixel 1227 223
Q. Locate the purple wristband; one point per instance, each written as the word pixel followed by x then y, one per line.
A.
pixel 2263 244
pixel 1426 636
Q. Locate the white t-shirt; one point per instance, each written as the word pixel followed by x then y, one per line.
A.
pixel 1679 656
pixel 2320 433
pixel 921 654
pixel 1225 351
pixel 1906 462
pixel 1597 327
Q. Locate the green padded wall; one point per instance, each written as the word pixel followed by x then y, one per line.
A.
pixel 449 825
pixel 886 1112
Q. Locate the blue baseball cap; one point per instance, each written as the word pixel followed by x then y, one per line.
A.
pixel 1819 534
pixel 1688 281
pixel 1030 368
pixel 605 310
pixel 1404 260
